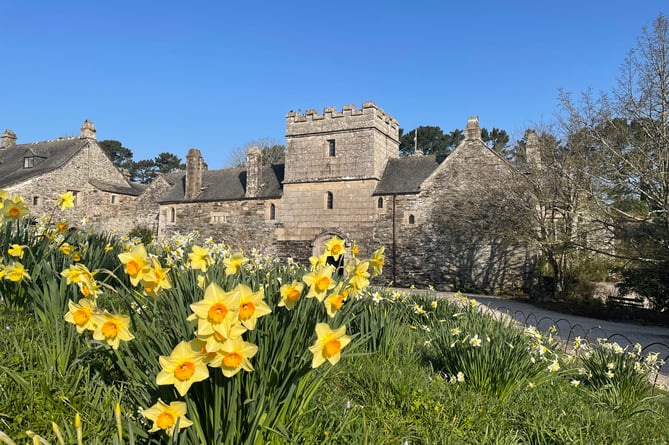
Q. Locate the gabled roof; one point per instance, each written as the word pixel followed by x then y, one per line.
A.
pixel 406 175
pixel 48 156
pixel 229 184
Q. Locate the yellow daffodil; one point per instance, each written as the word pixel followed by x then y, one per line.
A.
pixel 16 272
pixel 217 312
pixel 329 344
pixel 233 263
pixel 359 277
pixel 251 306
pixel 17 250
pixel 317 262
pixel 290 294
pixel 213 342
pixel 62 226
pixel 335 247
pixel 81 315
pixel 108 247
pixel 65 201
pixel 66 248
pixel 14 208
pixel 156 278
pixel 319 282
pixel 136 263
pixel 355 250
pixel 335 300
pixel 77 272
pixel 234 355
pixel 183 367
pixel 377 261
pixel 90 288
pixel 200 258
pixel 165 417
pixel 112 328
pixel 76 256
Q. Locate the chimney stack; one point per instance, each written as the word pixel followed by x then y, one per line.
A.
pixel 8 139
pixel 532 149
pixel 195 166
pixel 88 130
pixel 472 130
pixel 253 171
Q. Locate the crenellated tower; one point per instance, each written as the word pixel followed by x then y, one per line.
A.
pixel 347 144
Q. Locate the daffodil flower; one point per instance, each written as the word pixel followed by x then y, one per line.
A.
pixel 233 356
pixel 290 294
pixel 165 417
pixel 329 344
pixel 183 367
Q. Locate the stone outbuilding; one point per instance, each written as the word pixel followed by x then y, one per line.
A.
pixel 40 171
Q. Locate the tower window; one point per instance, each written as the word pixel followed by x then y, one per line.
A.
pixel 412 219
pixel 332 150
pixel 272 211
pixel 379 203
pixel 173 215
pixel 329 200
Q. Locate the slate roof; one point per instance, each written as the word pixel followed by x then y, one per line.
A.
pixel 134 190
pixel 228 184
pixel 406 175
pixel 48 156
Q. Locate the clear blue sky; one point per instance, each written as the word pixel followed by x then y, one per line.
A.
pixel 168 76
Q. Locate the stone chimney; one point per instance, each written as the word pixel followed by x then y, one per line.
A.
pixel 87 130
pixel 253 171
pixel 472 130
pixel 532 149
pixel 8 139
pixel 195 166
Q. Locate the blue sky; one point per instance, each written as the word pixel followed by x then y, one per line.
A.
pixel 168 76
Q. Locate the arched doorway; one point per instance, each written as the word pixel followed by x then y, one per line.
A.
pixel 318 248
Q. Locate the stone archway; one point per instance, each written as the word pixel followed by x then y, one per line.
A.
pixel 318 247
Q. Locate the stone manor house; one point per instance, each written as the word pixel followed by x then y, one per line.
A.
pixel 342 176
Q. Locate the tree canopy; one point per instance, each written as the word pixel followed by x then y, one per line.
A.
pixel 143 171
pixel 431 140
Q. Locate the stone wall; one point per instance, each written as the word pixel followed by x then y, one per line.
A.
pixel 241 224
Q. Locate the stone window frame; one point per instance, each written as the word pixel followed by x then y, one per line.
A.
pixel 272 212
pixel 329 200
pixel 332 148
pixel 379 203
pixel 218 218
pixel 411 220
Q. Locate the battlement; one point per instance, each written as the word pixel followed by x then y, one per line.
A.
pixel 368 116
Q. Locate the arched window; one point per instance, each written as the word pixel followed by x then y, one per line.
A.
pixel 379 203
pixel 329 201
pixel 272 211
pixel 173 215
pixel 412 219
